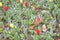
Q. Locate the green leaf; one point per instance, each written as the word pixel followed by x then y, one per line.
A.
pixel 16 36
pixel 1 23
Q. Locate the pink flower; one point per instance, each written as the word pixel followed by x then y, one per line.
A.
pixel 37 21
pixel 44 28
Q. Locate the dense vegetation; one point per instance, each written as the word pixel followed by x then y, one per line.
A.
pixel 29 19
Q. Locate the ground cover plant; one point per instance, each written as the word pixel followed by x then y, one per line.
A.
pixel 29 19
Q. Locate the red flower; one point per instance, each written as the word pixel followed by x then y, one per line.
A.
pixel 26 3
pixel 38 32
pixel 38 19
pixel 36 8
pixel 5 8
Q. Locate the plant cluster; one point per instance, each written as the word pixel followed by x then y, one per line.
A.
pixel 29 19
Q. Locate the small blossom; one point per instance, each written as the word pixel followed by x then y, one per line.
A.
pixel 11 25
pixel 37 21
pixel 5 8
pixel 21 1
pixel 26 3
pixel 38 32
pixel 0 4
pixel 44 28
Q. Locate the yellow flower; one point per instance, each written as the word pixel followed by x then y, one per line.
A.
pixel 50 0
pixel 21 1
pixel 0 4
pixel 11 25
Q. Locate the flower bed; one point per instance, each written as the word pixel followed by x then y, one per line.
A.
pixel 29 19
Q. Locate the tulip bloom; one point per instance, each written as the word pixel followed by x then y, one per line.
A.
pixel 44 28
pixel 5 8
pixel 11 25
pixel 26 3
pixel 37 21
pixel 21 1
pixel 0 4
pixel 38 32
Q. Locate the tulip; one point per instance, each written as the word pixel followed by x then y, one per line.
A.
pixel 0 4
pixel 21 1
pixel 5 8
pixel 44 28
pixel 26 3
pixel 11 25
pixel 37 21
pixel 38 32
